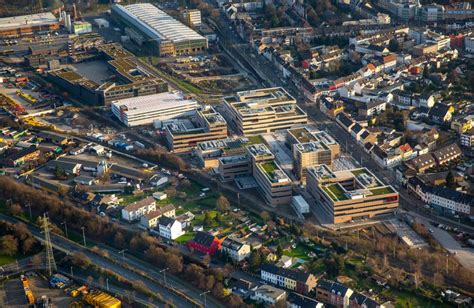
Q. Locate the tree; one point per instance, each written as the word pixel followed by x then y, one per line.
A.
pixel 36 260
pixel 222 204
pixel 208 219
pixel 255 259
pixel 393 45
pixel 9 245
pixel 279 250
pixel 265 216
pixel 450 181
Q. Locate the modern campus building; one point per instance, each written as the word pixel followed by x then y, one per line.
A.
pixel 311 149
pixel 309 154
pixel 132 79
pixel 144 110
pixel 209 152
pixel 27 24
pixel 231 167
pixel 263 111
pixel 183 135
pixel 148 24
pixel 274 184
pixel 350 194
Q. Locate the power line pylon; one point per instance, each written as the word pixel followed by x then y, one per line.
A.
pixel 51 263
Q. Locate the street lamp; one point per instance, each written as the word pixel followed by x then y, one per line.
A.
pixel 65 228
pixel 84 236
pixel 164 274
pixel 123 254
pixel 204 294
pixel 29 209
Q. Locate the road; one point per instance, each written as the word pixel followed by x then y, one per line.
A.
pixel 267 71
pixel 141 270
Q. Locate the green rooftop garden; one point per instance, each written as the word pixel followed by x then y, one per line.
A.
pixel 256 139
pixel 382 191
pixel 269 167
pixel 358 172
pixel 335 191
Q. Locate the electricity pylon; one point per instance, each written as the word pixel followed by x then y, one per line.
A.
pixel 49 247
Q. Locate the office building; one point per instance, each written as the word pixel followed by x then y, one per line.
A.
pixel 310 149
pixel 231 167
pixel 183 135
pixel 263 111
pixel 309 154
pixel 209 152
pixel 273 183
pixel 144 110
pixel 149 25
pixel 350 194
pixel 27 24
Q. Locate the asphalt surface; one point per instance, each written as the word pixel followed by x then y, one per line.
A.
pixel 147 274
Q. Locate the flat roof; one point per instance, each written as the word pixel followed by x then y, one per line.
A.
pixel 302 134
pixel 149 103
pixel 273 172
pixel 311 147
pixel 366 184
pixel 27 21
pixel 157 22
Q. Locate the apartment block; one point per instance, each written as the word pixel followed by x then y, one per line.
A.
pixel 350 194
pixel 183 135
pixel 263 111
pixel 295 280
pixel 136 210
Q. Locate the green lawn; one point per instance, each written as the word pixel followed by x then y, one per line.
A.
pixel 4 259
pixel 185 237
pixel 301 251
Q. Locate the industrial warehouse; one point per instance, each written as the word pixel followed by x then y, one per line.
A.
pixel 147 109
pixel 27 24
pixel 150 24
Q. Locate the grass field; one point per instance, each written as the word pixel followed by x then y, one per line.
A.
pixel 301 251
pixel 185 237
pixel 4 259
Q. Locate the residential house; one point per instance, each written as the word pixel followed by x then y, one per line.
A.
pixel 331 106
pixel 295 300
pixel 356 131
pixel 447 154
pixel 449 200
pixel 359 300
pixel 268 295
pixel 422 162
pixel 150 220
pixel 462 125
pixel 295 280
pixel 137 209
pixel 204 243
pixel 170 228
pixel 333 293
pixel 467 138
pixel 441 113
pixel 372 107
pixel 345 121
pixel 236 249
